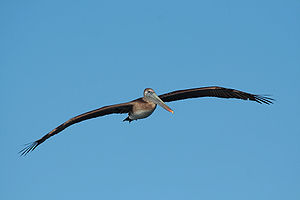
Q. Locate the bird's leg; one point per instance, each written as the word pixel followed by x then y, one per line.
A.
pixel 128 119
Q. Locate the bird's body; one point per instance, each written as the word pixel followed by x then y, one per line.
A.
pixel 143 107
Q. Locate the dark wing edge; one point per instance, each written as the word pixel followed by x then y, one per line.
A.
pixel 106 110
pixel 214 91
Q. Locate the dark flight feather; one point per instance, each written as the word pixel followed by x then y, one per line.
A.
pixel 106 110
pixel 213 92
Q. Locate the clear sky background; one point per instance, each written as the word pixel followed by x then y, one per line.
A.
pixel 62 58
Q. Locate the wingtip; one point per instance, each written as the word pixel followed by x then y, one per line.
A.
pixel 28 148
pixel 264 99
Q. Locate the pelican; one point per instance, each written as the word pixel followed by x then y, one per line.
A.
pixel 143 107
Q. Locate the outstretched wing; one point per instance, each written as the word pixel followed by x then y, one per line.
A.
pixel 106 110
pixel 213 92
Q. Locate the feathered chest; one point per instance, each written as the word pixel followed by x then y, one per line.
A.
pixel 142 109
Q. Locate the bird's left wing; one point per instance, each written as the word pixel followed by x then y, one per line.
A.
pixel 214 91
pixel 106 110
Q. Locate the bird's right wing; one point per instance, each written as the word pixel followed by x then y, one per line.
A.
pixel 106 110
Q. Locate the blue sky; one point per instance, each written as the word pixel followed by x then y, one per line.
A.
pixel 62 58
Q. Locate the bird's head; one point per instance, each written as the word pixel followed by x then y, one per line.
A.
pixel 150 95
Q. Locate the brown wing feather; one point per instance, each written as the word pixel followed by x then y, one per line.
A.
pixel 213 92
pixel 106 110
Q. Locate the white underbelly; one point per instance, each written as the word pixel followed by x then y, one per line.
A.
pixel 140 114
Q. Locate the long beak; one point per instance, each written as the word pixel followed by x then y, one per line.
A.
pixel 158 101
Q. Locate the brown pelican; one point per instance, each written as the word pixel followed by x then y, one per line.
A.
pixel 143 107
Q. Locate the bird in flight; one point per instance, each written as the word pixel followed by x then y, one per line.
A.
pixel 143 107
